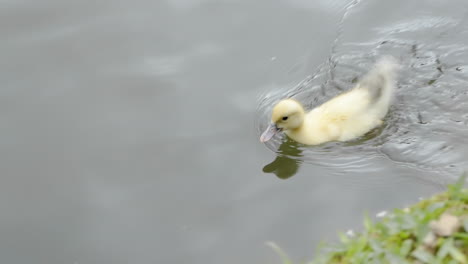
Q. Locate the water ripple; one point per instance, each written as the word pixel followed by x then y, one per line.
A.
pixel 427 125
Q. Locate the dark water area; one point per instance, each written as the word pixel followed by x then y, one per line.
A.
pixel 130 128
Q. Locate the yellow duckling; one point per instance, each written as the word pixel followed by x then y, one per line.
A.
pixel 345 117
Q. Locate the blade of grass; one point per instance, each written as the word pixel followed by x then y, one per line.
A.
pixel 284 257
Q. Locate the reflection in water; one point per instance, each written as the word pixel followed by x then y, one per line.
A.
pixel 289 154
pixel 424 129
pixel 287 161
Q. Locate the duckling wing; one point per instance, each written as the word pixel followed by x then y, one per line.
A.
pixel 356 112
pixel 380 81
pixel 370 98
pixel 346 106
pixel 343 117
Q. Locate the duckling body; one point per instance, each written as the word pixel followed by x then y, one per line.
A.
pixel 345 117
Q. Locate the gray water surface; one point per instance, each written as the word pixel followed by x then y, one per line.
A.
pixel 130 129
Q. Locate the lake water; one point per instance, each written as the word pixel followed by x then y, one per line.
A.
pixel 130 128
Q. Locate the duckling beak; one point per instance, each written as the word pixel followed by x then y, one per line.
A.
pixel 271 130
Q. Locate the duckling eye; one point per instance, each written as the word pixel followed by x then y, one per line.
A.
pixel 285 118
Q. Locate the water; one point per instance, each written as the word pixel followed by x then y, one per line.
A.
pixel 426 124
pixel 130 129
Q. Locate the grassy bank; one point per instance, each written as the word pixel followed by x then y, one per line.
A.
pixel 433 231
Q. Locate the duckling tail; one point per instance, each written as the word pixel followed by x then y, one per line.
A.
pixel 380 81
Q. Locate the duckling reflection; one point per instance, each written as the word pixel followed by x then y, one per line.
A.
pixel 287 161
pixel 289 154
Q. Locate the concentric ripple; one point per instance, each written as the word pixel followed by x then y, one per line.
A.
pixel 427 126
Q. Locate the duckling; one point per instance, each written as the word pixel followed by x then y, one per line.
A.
pixel 345 117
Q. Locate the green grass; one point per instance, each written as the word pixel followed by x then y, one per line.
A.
pixel 407 236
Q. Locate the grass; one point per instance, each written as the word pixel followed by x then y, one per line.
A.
pixel 412 235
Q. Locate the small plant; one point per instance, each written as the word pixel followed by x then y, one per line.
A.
pixel 432 231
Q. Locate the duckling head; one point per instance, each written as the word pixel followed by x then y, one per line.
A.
pixel 287 115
